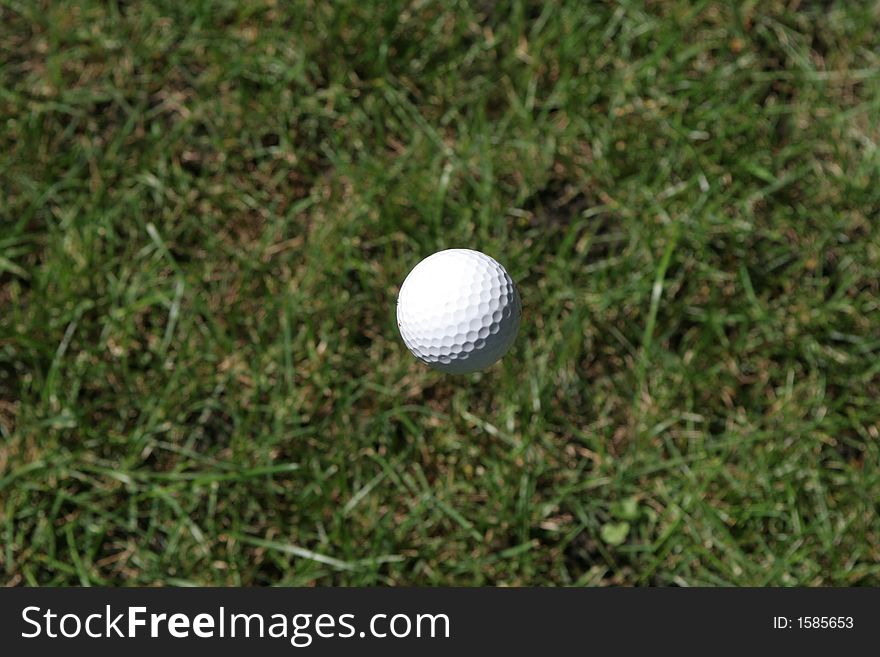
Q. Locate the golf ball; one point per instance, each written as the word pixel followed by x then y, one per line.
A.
pixel 458 311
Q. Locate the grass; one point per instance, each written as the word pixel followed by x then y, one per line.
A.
pixel 206 210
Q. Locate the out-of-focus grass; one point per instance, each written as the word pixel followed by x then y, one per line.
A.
pixel 206 210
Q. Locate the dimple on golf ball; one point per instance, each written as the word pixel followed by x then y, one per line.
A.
pixel 458 311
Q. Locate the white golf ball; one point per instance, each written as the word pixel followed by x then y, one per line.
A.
pixel 458 311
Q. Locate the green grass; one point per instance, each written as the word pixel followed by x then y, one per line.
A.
pixel 206 210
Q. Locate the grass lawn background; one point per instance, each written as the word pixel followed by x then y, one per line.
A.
pixel 206 211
